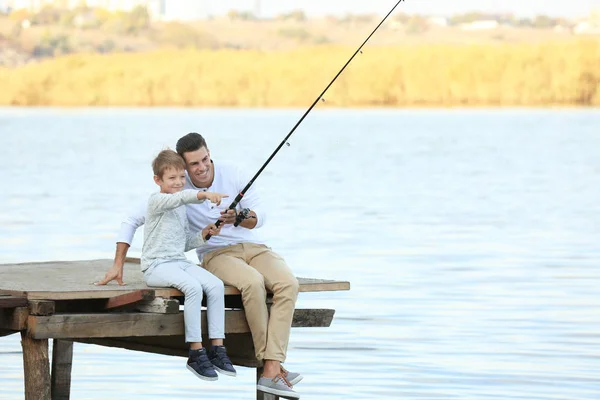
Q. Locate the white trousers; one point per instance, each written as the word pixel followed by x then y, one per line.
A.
pixel 192 280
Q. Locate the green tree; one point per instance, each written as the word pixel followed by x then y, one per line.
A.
pixel 137 20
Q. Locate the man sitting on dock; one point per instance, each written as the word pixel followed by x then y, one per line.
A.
pixel 237 256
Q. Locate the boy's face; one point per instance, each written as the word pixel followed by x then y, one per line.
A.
pixel 172 180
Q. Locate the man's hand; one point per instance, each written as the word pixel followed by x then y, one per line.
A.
pixel 227 216
pixel 212 230
pixel 114 273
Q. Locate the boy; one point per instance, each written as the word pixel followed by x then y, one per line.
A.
pixel 166 238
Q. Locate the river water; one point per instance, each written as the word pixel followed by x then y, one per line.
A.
pixel 471 239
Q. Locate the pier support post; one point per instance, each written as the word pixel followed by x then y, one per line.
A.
pixel 62 360
pixel 261 395
pixel 36 368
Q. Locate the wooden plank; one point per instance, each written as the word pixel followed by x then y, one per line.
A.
pixel 240 347
pixel 92 294
pixel 17 293
pixel 72 280
pixel 36 366
pixel 8 301
pixel 14 319
pixel 129 298
pixel 306 285
pixel 67 326
pixel 159 305
pixel 312 318
pixel 60 377
pixel 322 285
pixel 64 326
pixel 4 332
pixel 128 344
pixel 41 307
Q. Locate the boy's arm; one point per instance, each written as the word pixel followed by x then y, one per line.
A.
pixel 193 239
pixel 161 202
pixel 196 239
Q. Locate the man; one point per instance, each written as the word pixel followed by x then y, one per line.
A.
pixel 237 256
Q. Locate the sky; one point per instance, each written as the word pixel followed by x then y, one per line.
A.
pixel 568 8
pixel 269 8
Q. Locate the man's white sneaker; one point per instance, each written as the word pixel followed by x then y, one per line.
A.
pixel 292 377
pixel 278 386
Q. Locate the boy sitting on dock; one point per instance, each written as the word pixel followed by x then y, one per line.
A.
pixel 166 238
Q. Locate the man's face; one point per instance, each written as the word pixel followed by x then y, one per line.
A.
pixel 199 167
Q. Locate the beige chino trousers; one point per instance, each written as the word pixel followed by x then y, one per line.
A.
pixel 253 269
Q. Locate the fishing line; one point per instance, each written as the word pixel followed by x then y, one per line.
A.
pixel 238 198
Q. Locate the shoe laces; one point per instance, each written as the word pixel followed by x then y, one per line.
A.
pixel 280 377
pixel 284 371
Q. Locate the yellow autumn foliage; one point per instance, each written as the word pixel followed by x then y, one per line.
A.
pixel 553 73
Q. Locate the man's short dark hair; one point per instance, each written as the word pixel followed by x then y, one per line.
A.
pixel 191 142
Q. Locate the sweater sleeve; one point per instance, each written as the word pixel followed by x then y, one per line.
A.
pixel 161 202
pixel 133 220
pixel 193 239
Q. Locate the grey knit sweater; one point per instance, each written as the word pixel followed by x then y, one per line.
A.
pixel 166 232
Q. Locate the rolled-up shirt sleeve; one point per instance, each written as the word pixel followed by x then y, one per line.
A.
pixel 132 221
pixel 252 200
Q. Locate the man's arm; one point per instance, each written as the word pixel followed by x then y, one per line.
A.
pixel 256 217
pixel 134 220
pixel 251 221
pixel 116 271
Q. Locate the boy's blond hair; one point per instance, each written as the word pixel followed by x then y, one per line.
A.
pixel 167 159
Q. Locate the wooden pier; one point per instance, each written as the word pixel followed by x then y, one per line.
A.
pixel 58 300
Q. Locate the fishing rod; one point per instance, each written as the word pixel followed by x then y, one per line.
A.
pixel 238 198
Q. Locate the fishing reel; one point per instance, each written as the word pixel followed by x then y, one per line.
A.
pixel 242 215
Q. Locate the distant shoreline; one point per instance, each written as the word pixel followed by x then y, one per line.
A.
pixel 551 74
pixel 557 107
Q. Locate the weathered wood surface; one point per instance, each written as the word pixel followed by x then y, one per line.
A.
pixel 8 301
pixel 14 319
pixel 42 307
pixel 62 362
pixel 65 280
pixel 36 368
pixel 240 347
pixel 129 298
pixel 159 305
pixel 68 326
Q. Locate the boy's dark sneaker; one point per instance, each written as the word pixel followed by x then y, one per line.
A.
pixel 220 361
pixel 201 366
